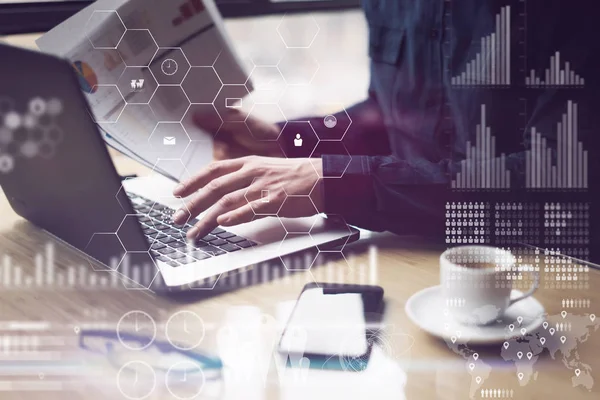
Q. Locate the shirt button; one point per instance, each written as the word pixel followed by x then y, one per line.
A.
pixel 434 33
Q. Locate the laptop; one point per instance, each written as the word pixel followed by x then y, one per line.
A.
pixel 60 177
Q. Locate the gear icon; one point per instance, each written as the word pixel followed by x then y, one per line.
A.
pixel 6 163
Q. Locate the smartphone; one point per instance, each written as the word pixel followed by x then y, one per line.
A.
pixel 334 326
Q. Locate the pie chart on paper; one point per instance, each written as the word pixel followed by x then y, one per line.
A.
pixel 87 77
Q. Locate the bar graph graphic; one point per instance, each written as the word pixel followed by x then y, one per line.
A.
pixel 482 169
pixel 131 275
pixel 555 76
pixel 564 168
pixel 491 65
pixel 46 275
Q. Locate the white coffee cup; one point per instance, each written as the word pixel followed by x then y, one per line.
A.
pixel 475 285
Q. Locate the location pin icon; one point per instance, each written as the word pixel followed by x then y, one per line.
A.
pixel 471 366
pixel 563 339
pixel 458 333
pixel 475 356
pixel 545 324
pixel 478 380
pixel 520 375
pixel 520 354
pixel 511 327
pixel 453 339
pixel 551 331
pixel 592 317
pixel 563 313
pixel 523 331
pixel 529 355
pixel 519 319
pixel 506 344
pixel 542 340
pixel 76 330
pixel 577 372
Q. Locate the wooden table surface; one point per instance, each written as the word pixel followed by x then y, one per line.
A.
pixel 415 366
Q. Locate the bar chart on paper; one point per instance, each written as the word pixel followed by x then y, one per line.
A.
pixel 555 75
pixel 568 169
pixel 482 169
pixel 491 65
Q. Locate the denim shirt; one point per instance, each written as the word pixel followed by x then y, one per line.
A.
pixel 408 137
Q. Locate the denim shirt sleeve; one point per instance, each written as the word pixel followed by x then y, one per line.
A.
pixel 388 193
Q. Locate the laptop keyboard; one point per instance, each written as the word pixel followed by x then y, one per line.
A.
pixel 168 240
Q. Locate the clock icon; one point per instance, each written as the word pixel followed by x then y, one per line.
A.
pixel 185 330
pixel 136 380
pixel 185 380
pixel 169 67
pixel 139 324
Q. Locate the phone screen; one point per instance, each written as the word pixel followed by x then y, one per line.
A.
pixel 333 320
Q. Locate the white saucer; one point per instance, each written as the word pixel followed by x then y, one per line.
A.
pixel 427 310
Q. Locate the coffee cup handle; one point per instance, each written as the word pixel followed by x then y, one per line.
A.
pixel 536 284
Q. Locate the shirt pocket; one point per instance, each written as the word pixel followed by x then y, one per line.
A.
pixel 385 45
pixel 387 28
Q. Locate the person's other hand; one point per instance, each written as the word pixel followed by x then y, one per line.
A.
pixel 246 188
pixel 236 139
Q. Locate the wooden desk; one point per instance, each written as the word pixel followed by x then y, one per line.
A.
pixel 423 367
pixel 403 267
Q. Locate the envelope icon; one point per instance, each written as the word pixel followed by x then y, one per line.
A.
pixel 169 141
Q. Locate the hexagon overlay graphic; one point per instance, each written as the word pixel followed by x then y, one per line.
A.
pixel 111 92
pixel 204 114
pixel 332 127
pixel 322 222
pixel 330 147
pixel 230 76
pixel 304 262
pixel 139 268
pixel 138 118
pixel 268 84
pixel 264 201
pixel 298 139
pixel 129 234
pixel 208 55
pixel 137 85
pixel 298 66
pixel 163 210
pixel 113 63
pixel 112 33
pixel 202 84
pixel 169 140
pixel 264 32
pixel 170 66
pixel 230 100
pixel 298 31
pixel 137 48
pixel 99 243
pixel 298 102
pixel 290 209
pixel 169 103
pixel 175 165
pixel 264 112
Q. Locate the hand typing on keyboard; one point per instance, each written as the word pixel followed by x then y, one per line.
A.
pixel 247 188
pixel 168 242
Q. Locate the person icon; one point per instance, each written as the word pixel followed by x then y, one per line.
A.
pixel 298 140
